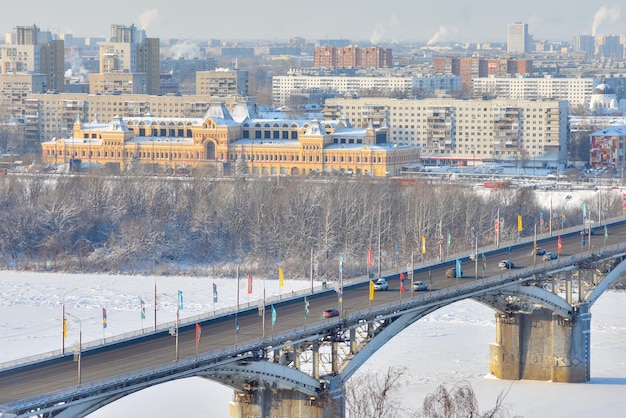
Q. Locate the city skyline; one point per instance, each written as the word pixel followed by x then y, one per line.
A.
pixel 479 21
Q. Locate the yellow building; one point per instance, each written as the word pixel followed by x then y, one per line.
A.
pixel 253 145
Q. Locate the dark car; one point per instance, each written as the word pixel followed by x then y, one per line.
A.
pixel 329 313
pixel 550 256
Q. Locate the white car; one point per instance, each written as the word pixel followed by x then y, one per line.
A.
pixel 381 284
pixel 506 264
pixel 420 286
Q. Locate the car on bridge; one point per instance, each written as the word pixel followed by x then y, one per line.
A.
pixel 538 251
pixel 550 256
pixel 330 313
pixel 418 286
pixel 451 273
pixel 506 264
pixel 381 284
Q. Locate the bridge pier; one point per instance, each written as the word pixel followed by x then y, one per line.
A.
pixel 542 345
pixel 265 401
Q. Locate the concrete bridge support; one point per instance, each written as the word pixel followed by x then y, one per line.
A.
pixel 266 401
pixel 542 345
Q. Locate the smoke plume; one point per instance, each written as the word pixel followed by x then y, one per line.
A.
pixel 604 14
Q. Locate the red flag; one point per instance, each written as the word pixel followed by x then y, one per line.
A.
pixel 497 228
pixel 559 244
pixel 370 258
pixel 198 331
pixel 249 283
pixel 401 282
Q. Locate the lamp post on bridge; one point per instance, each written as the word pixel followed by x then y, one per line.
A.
pixel 175 332
pixel 78 354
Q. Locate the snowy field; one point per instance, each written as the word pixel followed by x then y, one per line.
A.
pixel 446 347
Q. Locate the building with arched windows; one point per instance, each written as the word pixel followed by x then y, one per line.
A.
pixel 254 145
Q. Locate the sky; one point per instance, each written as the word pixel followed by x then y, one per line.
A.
pixel 450 345
pixel 358 20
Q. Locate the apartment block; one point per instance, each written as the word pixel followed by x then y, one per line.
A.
pixel 222 82
pixel 352 57
pixel 462 132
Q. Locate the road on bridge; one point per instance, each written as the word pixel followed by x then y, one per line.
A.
pixel 156 349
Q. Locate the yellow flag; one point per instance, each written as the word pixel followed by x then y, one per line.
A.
pixel 281 277
pixel 371 290
pixel 423 245
pixel 519 223
pixel 64 328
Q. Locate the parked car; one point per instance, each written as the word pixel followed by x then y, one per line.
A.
pixel 550 256
pixel 329 313
pixel 451 273
pixel 381 284
pixel 420 286
pixel 506 264
pixel 538 251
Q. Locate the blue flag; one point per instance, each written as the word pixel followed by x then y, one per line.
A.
pixel 584 210
pixel 180 300
pixel 459 272
pixel 273 315
pixel 236 323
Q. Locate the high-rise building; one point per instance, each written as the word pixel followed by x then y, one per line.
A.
pixel 518 40
pixel 222 82
pixel 34 52
pixel 130 51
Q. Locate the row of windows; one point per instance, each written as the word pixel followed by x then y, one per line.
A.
pixel 309 158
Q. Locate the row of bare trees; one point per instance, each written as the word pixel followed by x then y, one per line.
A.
pixel 131 224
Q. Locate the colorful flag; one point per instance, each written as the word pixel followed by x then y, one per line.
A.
pixel 249 284
pixel 497 227
pixel 559 244
pixel 281 277
pixel 273 315
pixel 459 270
pixel 307 312
pixel 64 328
pixel 624 200
pixel 371 290
pixel 237 323
pixel 449 239
pixel 542 220
pixel 563 216
pixel 484 262
pixel 584 210
pixel 370 258
pixel 401 282
pixel 198 332
pixel 340 264
pixel 143 308
pixel 423 244
pixel 339 296
pixel 104 318
pixel 180 300
pixel 520 227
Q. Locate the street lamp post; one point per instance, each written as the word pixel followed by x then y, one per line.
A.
pixel 77 356
pixel 63 319
pixel 176 329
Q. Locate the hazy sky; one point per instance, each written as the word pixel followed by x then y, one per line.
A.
pixel 380 20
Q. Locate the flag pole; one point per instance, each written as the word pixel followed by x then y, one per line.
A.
pixel 237 308
pixel 263 307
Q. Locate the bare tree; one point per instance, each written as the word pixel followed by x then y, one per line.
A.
pixel 372 395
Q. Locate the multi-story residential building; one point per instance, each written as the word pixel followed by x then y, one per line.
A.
pixel 352 57
pixel 34 52
pixel 518 40
pixel 129 51
pixel 283 87
pixel 450 131
pixel 118 83
pixel 222 82
pixel 608 147
pixel 246 143
pixel 576 91
pixel 470 68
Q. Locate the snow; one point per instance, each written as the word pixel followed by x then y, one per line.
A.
pixel 447 346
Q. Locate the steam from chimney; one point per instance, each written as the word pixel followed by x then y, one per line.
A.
pixel 443 34
pixel 604 14
pixel 147 18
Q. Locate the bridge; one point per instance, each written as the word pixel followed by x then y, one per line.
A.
pixel 298 366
